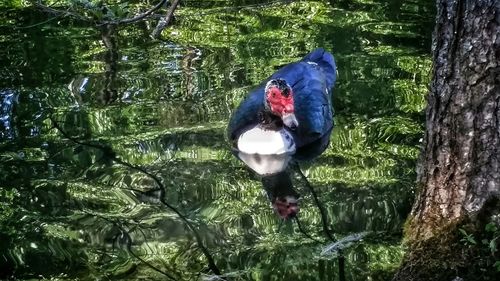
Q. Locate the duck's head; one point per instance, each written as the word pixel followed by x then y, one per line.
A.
pixel 282 195
pixel 278 99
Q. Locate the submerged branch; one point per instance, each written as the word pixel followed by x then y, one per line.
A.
pixel 59 13
pixel 324 218
pixel 69 13
pixel 299 225
pixel 109 152
pixel 139 16
pixel 40 23
pixel 324 221
pixel 204 250
pixel 164 21
pixel 129 242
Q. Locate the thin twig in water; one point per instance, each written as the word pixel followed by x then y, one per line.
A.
pixel 163 21
pixel 305 233
pixel 324 221
pixel 324 218
pixel 139 16
pixel 57 12
pixel 108 151
pixel 208 256
pixel 129 249
pixel 129 246
pixel 136 18
pixel 39 23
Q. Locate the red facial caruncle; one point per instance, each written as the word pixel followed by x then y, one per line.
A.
pixel 280 101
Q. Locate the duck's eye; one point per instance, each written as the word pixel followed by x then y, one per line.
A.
pixel 285 93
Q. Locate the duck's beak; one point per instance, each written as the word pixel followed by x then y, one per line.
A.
pixel 290 120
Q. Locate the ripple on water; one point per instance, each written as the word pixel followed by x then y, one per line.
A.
pixel 163 106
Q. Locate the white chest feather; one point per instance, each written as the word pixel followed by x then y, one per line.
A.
pixel 266 142
pixel 266 151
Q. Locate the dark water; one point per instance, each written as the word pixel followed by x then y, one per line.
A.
pixel 68 211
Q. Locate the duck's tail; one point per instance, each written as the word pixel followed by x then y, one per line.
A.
pixel 326 61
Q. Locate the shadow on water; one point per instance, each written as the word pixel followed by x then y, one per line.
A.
pixel 67 210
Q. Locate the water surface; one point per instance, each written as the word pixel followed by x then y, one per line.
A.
pixel 68 211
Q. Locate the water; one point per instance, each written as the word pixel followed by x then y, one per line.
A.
pixel 68 211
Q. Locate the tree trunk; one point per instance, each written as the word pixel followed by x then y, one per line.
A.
pixel 459 170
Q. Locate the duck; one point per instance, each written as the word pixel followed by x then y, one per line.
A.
pixel 287 119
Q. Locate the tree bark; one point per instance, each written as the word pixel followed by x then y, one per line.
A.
pixel 459 169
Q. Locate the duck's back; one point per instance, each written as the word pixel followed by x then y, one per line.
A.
pixel 311 80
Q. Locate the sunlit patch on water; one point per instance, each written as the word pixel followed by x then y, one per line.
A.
pixel 7 100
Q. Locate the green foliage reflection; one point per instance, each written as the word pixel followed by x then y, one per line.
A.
pixel 68 211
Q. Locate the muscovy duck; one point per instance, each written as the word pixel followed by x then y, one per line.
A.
pixel 288 117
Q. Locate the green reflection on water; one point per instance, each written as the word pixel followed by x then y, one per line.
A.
pixel 164 106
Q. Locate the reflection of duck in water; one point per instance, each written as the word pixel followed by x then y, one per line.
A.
pixel 289 117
